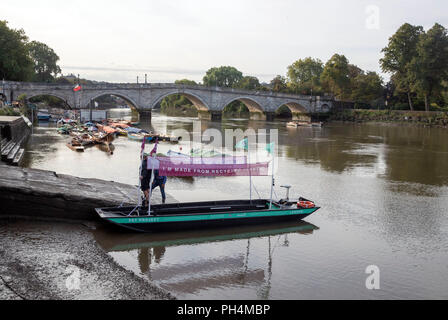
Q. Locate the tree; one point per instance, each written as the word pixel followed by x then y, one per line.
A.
pixel 335 76
pixel 15 63
pixel 278 84
pixel 186 82
pixel 304 75
pixel 224 76
pixel 173 101
pixel 368 87
pixel 399 53
pixel 444 94
pixel 248 83
pixel 429 68
pixel 353 73
pixel 45 61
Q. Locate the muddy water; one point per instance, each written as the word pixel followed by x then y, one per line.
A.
pixel 384 198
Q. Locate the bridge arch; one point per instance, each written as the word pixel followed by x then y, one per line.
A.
pixel 250 103
pixel 130 102
pixel 294 107
pixel 197 101
pixel 40 94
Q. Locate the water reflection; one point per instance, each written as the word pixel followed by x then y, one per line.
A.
pixel 406 154
pixel 395 153
pixel 124 241
pixel 195 274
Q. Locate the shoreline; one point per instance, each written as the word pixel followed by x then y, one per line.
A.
pixel 47 194
pixel 38 262
pixel 44 230
pixel 432 119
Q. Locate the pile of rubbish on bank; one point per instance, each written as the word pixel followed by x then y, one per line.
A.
pixel 104 133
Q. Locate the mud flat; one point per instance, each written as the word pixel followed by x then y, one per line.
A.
pixel 48 251
pixel 40 260
pixel 46 194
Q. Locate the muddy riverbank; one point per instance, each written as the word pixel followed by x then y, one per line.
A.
pixel 48 251
pixel 43 260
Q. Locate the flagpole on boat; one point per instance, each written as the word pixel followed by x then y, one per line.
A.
pixel 140 183
pixel 244 144
pixel 250 172
pixel 272 181
pixel 142 151
pixel 150 184
pixel 153 155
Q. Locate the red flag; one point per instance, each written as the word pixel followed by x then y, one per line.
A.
pixel 155 148
pixel 77 88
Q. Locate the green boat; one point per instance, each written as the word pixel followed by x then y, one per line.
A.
pixel 207 214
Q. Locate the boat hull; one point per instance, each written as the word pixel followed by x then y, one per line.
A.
pixel 76 148
pixel 303 124
pixel 139 138
pixel 201 217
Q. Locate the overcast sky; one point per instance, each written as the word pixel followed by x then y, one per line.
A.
pixel 116 41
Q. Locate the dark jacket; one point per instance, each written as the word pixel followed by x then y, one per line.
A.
pixel 146 173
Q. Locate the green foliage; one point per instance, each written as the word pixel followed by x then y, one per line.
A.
pixel 335 77
pixel 63 80
pixel 24 61
pixel 22 98
pixel 236 109
pixel 278 84
pixel 367 88
pixel 231 77
pixel 224 76
pixel 248 83
pixel 283 112
pixel 398 55
pixel 444 93
pixel 186 82
pixel 304 76
pixel 419 118
pixel 9 111
pixel 15 62
pixel 429 68
pixel 401 49
pixel 51 101
pixel 179 105
pixel 45 61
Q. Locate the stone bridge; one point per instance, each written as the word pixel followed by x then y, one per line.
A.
pixel 210 101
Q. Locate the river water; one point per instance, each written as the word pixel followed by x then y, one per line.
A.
pixel 383 192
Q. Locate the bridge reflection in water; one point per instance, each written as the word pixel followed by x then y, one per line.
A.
pixel 203 272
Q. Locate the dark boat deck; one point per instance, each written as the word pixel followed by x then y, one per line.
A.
pixel 188 208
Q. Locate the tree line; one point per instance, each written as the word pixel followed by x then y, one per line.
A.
pixel 417 62
pixel 24 60
pixel 415 59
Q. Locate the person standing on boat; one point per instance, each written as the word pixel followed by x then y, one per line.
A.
pixel 145 177
pixel 159 181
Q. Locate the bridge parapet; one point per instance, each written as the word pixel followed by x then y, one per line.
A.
pixel 145 96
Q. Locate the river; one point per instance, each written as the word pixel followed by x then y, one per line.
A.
pixel 384 202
